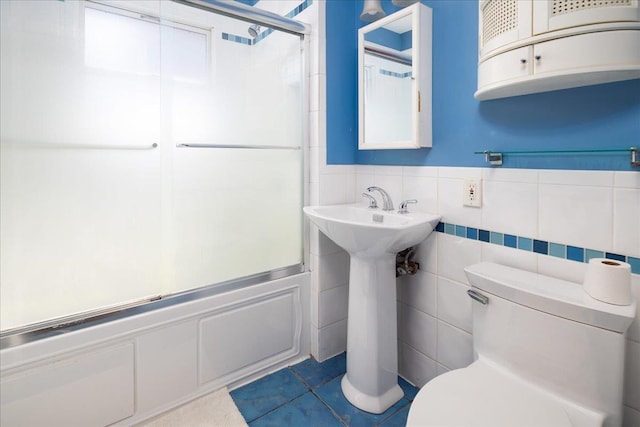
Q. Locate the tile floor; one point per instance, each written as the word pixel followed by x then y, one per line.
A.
pixel 309 394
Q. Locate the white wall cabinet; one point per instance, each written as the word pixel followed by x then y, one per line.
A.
pixel 502 23
pixel 530 46
pixel 554 15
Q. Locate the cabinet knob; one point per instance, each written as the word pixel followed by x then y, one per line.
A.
pixel 523 61
pixel 538 57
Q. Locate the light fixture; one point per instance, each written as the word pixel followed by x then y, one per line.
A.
pixel 372 11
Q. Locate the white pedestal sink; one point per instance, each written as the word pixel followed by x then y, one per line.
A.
pixel 372 237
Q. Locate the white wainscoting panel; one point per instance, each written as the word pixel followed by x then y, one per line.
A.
pixel 248 332
pixel 92 389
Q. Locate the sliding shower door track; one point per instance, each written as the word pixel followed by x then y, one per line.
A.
pixel 37 331
pixel 249 14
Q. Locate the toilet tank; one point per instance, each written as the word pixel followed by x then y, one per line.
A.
pixel 552 334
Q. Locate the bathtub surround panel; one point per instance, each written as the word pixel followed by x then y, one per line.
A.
pixel 443 256
pixel 159 360
pixel 95 388
pixel 175 346
pixel 270 329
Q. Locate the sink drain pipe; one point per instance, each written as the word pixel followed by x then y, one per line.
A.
pixel 405 266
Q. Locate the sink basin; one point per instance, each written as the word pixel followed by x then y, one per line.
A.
pixel 372 237
pixel 368 232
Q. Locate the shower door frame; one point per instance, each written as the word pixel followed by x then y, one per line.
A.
pixel 40 330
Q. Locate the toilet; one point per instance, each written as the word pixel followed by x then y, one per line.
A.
pixel 546 354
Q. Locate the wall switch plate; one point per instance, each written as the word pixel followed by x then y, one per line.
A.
pixel 472 193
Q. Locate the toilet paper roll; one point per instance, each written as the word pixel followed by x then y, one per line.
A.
pixel 609 281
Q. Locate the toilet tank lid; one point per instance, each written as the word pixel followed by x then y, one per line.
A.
pixel 550 295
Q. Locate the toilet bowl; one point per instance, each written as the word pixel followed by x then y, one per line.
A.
pixel 546 354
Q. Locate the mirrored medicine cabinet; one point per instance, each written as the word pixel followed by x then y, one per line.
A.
pixel 394 80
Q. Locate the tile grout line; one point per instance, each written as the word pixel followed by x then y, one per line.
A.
pixel 326 405
pixel 331 410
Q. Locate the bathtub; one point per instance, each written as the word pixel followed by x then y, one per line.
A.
pixel 132 368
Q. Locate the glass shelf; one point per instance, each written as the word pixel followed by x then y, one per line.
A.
pixel 495 157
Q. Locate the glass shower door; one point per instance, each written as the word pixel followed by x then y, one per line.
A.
pixel 147 149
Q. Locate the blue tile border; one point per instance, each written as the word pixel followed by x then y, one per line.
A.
pixel 615 257
pixel 525 243
pixel 575 253
pixel 540 247
pixel 557 250
pixel 510 240
pixel 554 249
pixel 237 39
pixel 496 238
pixel 395 74
pixel 590 253
pixel 450 229
pixel 472 233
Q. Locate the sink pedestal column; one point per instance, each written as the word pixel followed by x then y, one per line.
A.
pixel 371 381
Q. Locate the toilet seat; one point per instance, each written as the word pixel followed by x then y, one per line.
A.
pixel 482 395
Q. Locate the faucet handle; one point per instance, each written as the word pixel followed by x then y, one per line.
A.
pixel 403 205
pixel 373 204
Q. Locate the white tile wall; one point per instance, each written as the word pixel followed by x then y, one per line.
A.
pixel 626 230
pixel 631 417
pixel 418 291
pixel 441 369
pixel 561 268
pixel 455 253
pixel 455 346
pixel 454 305
pixel 427 254
pixel 333 305
pixel 510 257
pixel 632 388
pixel 415 365
pixel 510 207
pixel 424 189
pixel 418 329
pixel 559 206
pixel 333 270
pixel 633 333
pixel 627 180
pixel 332 340
pixel 450 203
pixel 577 215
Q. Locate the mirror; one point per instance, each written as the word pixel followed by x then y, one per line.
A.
pixel 393 75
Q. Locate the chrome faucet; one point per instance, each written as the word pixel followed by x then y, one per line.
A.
pixel 387 203
pixel 373 204
pixel 403 206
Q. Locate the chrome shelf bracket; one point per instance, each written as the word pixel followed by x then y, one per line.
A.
pixel 493 158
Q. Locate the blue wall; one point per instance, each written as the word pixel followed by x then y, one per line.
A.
pixel 592 117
